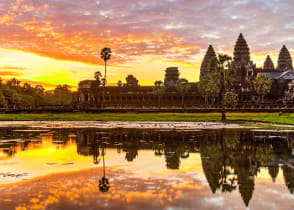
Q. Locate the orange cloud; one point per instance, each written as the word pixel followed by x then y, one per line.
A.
pixel 12 68
pixel 10 73
pixel 143 34
pixel 44 84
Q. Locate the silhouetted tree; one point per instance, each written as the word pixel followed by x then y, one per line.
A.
pixel 13 82
pixel 103 182
pixel 63 94
pixel 26 101
pixel 97 76
pixel 208 88
pixel 105 55
pixel 3 101
pixel 230 99
pixel 15 100
pixel 39 89
pixel 119 83
pixel 183 87
pixel 131 81
pixel 158 90
pixel 222 72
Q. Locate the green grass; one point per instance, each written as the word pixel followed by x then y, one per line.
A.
pixel 186 117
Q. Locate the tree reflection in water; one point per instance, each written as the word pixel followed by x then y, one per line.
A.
pixel 103 182
pixel 231 159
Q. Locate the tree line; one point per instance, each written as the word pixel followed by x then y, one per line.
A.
pixel 15 95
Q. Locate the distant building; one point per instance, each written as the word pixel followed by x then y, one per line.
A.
pixel 285 60
pixel 247 70
pixel 132 94
pixel 268 65
pixel 281 76
pixel 171 77
pixel 210 53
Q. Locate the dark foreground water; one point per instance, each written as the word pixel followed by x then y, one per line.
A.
pixel 146 169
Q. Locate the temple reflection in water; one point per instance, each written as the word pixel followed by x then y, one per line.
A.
pixel 231 159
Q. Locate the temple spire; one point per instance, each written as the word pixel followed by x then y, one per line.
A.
pixel 268 64
pixel 241 50
pixel 285 60
pixel 210 53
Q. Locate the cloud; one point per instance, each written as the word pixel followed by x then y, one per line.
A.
pixel 46 85
pixel 11 68
pixel 9 73
pixel 78 30
pixel 176 31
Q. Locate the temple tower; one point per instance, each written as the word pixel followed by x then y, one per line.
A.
pixel 285 60
pixel 171 76
pixel 268 64
pixel 210 53
pixel 241 51
pixel 245 67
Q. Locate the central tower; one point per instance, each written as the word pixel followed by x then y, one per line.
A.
pixel 241 51
pixel 245 69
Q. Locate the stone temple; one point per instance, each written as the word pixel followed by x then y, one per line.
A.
pixel 241 51
pixel 131 94
pixel 285 60
pixel 204 65
pixel 268 65
pixel 245 68
pixel 247 71
pixel 171 77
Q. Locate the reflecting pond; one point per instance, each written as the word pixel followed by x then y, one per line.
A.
pixel 120 168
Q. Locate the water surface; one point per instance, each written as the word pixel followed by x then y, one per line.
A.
pixel 60 168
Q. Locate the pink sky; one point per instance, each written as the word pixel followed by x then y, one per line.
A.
pixel 59 41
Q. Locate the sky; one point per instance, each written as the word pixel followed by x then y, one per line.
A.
pixel 51 42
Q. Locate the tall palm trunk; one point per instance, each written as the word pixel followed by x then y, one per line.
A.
pixel 103 160
pixel 103 92
pixel 223 95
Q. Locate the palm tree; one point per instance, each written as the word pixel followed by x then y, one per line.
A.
pixel 103 182
pixel 222 71
pixel 105 55
pixel 97 76
pixel 39 89
pixel 158 90
pixel 183 87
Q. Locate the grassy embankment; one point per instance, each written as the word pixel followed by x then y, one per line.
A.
pixel 187 117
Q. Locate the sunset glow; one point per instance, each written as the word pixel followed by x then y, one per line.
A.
pixel 56 42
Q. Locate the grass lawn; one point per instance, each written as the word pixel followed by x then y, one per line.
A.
pixel 186 117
